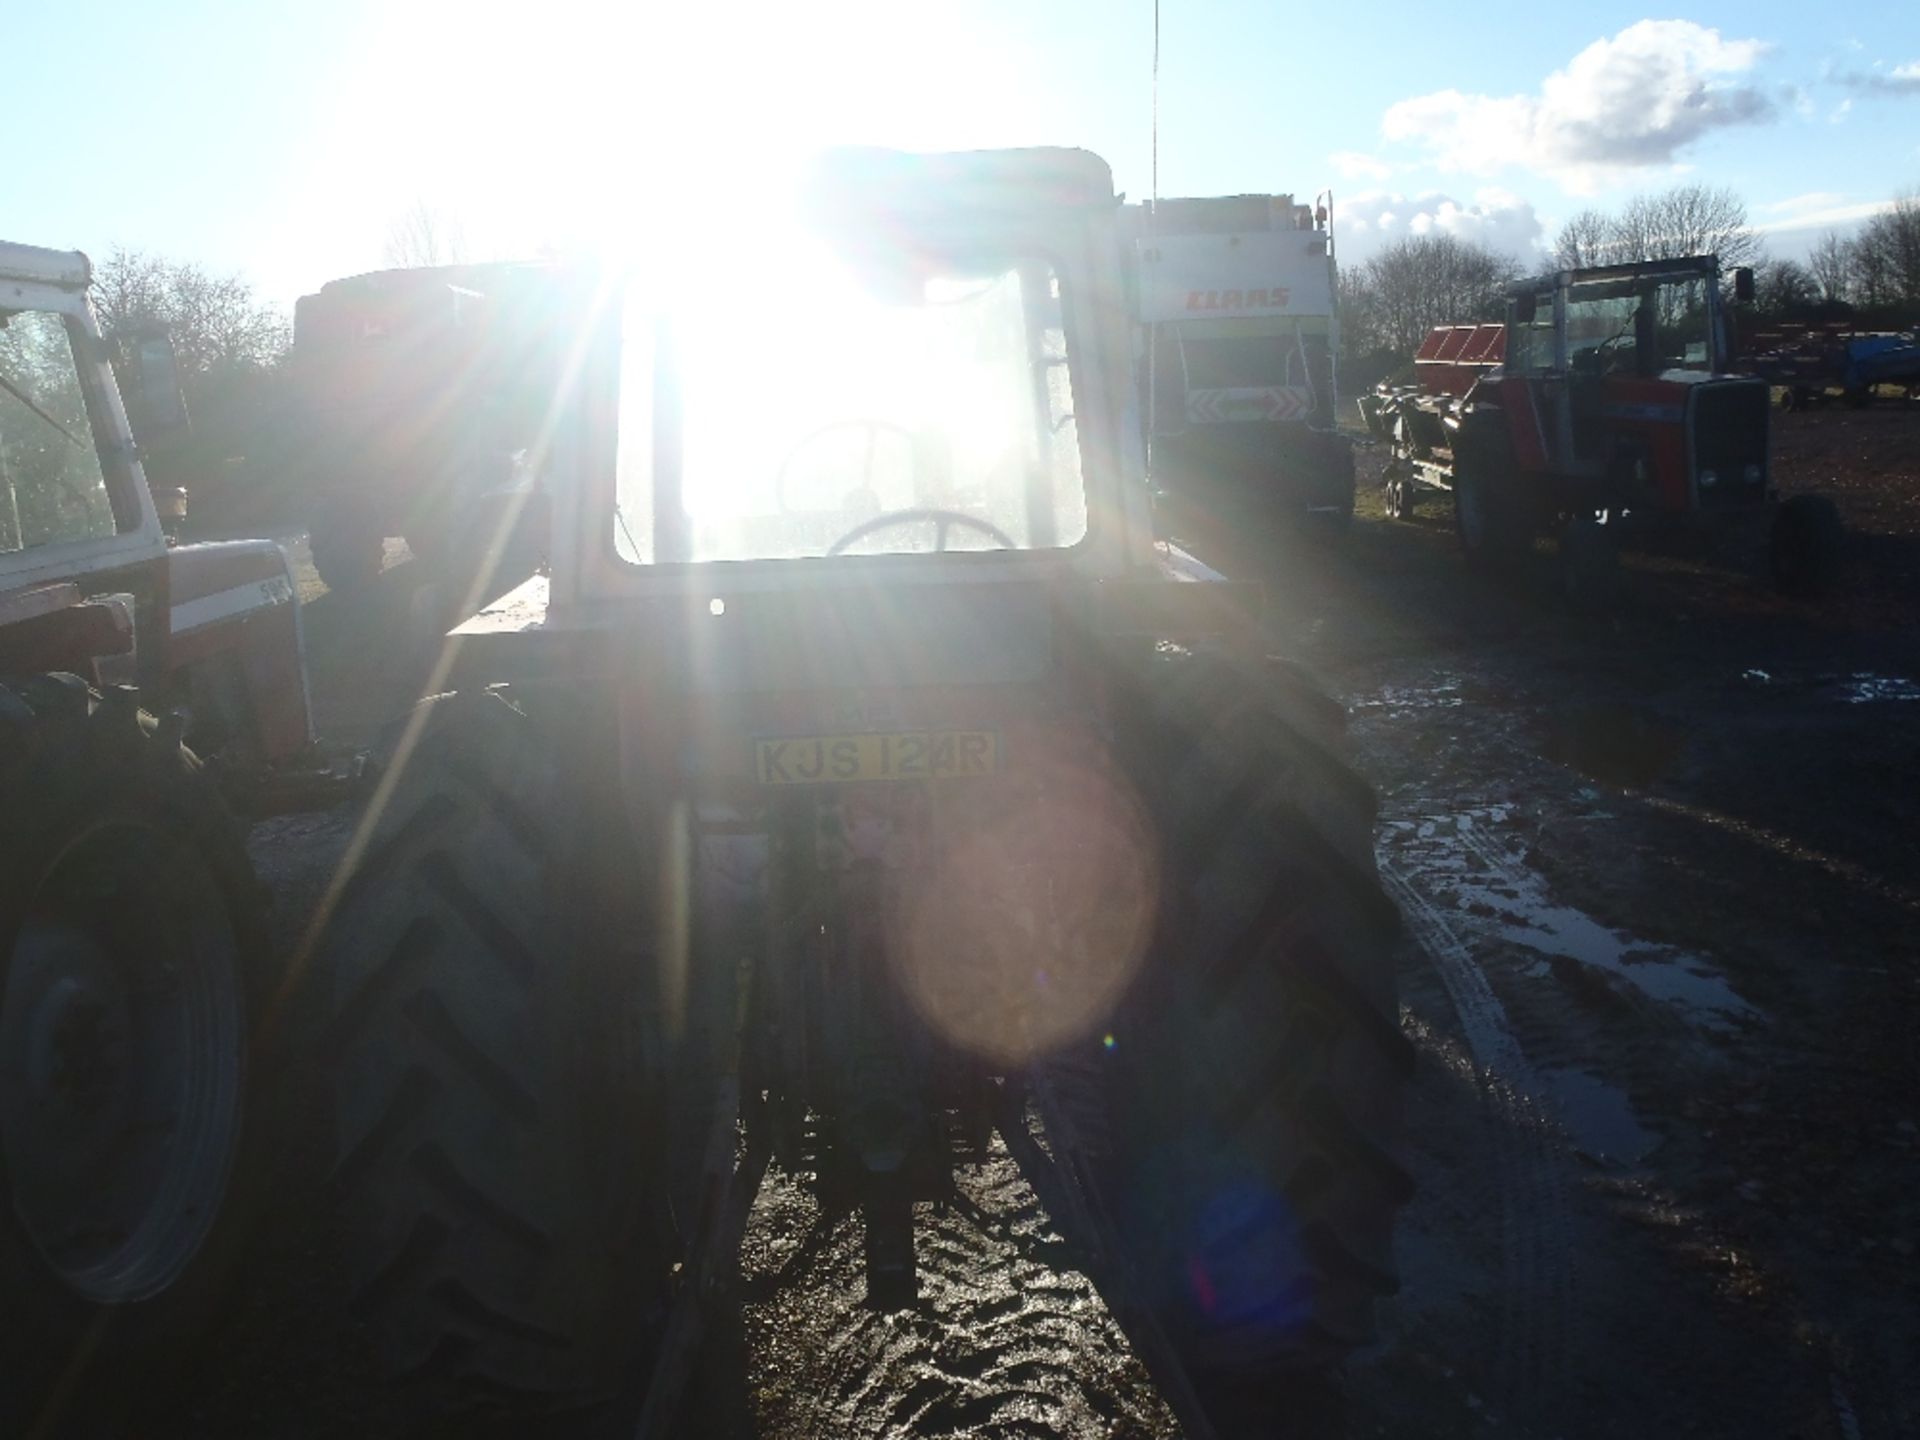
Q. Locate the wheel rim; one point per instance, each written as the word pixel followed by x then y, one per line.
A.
pixel 121 1040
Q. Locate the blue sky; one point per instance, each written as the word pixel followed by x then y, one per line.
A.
pixel 283 140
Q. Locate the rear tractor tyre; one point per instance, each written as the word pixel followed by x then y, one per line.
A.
pixel 1257 1070
pixel 499 1175
pixel 347 552
pixel 1803 546
pixel 1589 565
pixel 132 967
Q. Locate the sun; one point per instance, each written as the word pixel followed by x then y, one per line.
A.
pixel 577 125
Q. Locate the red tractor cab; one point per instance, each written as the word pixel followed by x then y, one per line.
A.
pixel 1605 403
pixel 415 391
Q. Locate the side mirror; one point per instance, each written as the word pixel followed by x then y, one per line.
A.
pixel 149 376
pixel 1743 284
pixel 1526 306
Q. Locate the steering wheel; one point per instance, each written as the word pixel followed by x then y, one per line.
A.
pixel 941 520
pixel 873 430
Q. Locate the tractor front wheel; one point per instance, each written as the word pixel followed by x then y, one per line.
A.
pixel 132 947
pixel 1492 528
pixel 1803 547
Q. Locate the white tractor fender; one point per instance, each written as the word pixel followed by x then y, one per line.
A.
pixel 234 604
pixel 223 581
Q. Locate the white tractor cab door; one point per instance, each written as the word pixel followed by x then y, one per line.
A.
pixel 74 504
pixel 943 397
pixel 216 627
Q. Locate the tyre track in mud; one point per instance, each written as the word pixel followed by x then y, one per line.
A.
pixel 1537 1282
pixel 1007 1339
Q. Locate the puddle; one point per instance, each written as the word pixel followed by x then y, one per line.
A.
pixel 1618 743
pixel 1405 699
pixel 1862 687
pixel 1598 1117
pixel 1467 868
pixel 1865 689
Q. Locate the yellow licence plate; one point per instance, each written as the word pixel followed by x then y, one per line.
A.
pixel 896 755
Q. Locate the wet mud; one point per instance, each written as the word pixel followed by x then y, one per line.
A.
pixel 1660 872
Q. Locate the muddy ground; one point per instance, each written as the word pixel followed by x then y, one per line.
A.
pixel 1661 880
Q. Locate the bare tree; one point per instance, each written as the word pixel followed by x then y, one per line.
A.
pixel 424 235
pixel 1686 220
pixel 1830 262
pixel 1587 239
pixel 218 326
pixel 1400 294
pixel 1784 286
pixel 1886 254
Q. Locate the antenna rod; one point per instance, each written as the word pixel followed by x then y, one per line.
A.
pixel 1156 105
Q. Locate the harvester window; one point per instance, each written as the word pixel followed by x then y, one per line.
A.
pixel 52 486
pixel 936 416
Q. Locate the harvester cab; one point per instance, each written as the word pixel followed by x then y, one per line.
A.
pixel 867 781
pixel 1236 301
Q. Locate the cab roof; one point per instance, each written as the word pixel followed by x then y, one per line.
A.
pixel 1624 277
pixel 68 269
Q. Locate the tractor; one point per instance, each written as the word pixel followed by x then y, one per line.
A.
pixel 1604 405
pixel 412 393
pixel 862 780
pixel 133 967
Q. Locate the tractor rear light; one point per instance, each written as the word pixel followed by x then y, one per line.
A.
pixel 1709 478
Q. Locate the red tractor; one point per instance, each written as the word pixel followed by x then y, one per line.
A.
pixel 132 944
pixel 415 392
pixel 1603 405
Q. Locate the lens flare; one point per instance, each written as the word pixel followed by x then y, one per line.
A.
pixel 1034 917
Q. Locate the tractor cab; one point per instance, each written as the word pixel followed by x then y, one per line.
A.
pixel 949 402
pixel 1625 368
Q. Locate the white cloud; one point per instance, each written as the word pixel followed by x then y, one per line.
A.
pixel 1355 165
pixel 1797 204
pixel 1822 217
pixel 1901 80
pixel 1496 218
pixel 1628 103
pixel 1840 112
